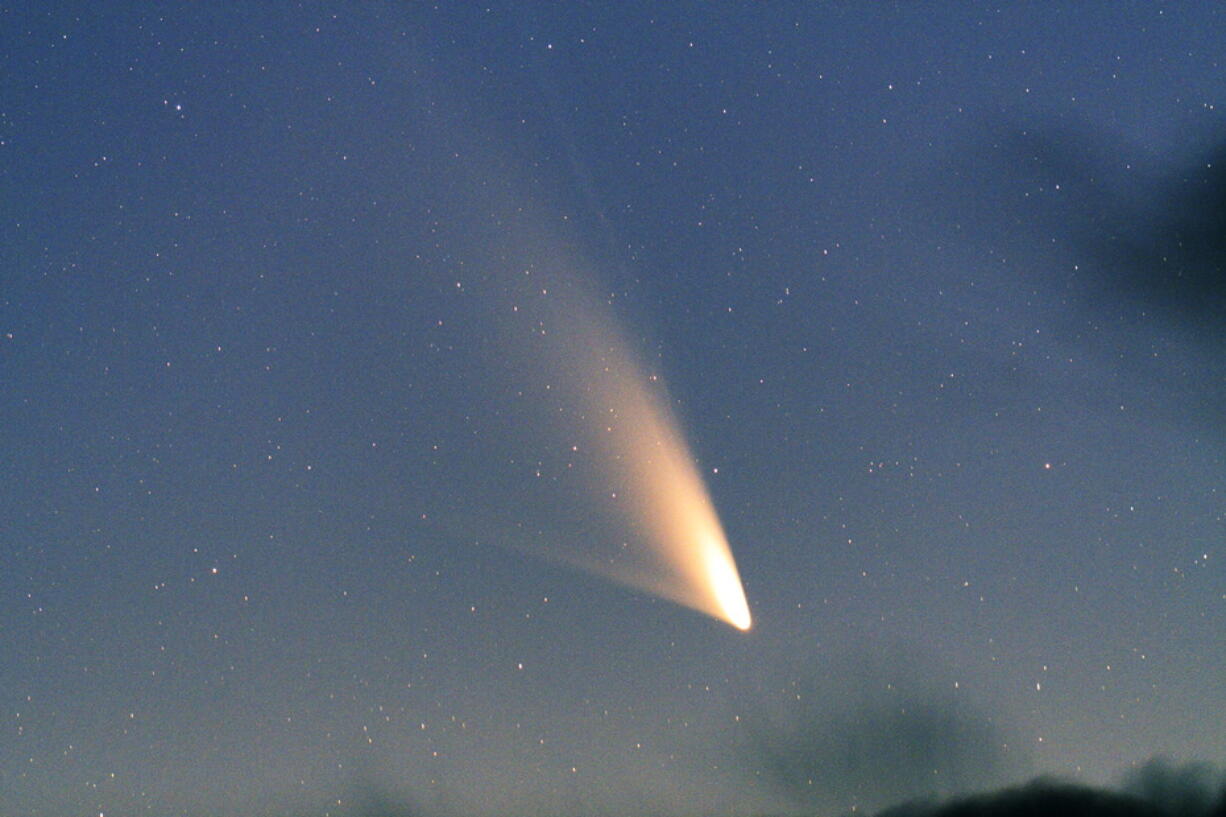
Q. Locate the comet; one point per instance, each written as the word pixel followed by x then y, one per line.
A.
pixel 570 432
pixel 665 499
pixel 642 474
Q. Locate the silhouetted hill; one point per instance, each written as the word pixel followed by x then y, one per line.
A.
pixel 1158 789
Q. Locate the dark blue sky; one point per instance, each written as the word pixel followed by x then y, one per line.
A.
pixel 272 436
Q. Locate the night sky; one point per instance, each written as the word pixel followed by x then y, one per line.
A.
pixel 303 311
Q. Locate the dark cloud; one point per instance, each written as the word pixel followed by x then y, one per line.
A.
pixel 368 798
pixel 1157 238
pixel 1187 790
pixel 1120 248
pixel 1149 232
pixel 895 733
pixel 879 751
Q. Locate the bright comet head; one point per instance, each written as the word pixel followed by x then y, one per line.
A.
pixel 726 586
